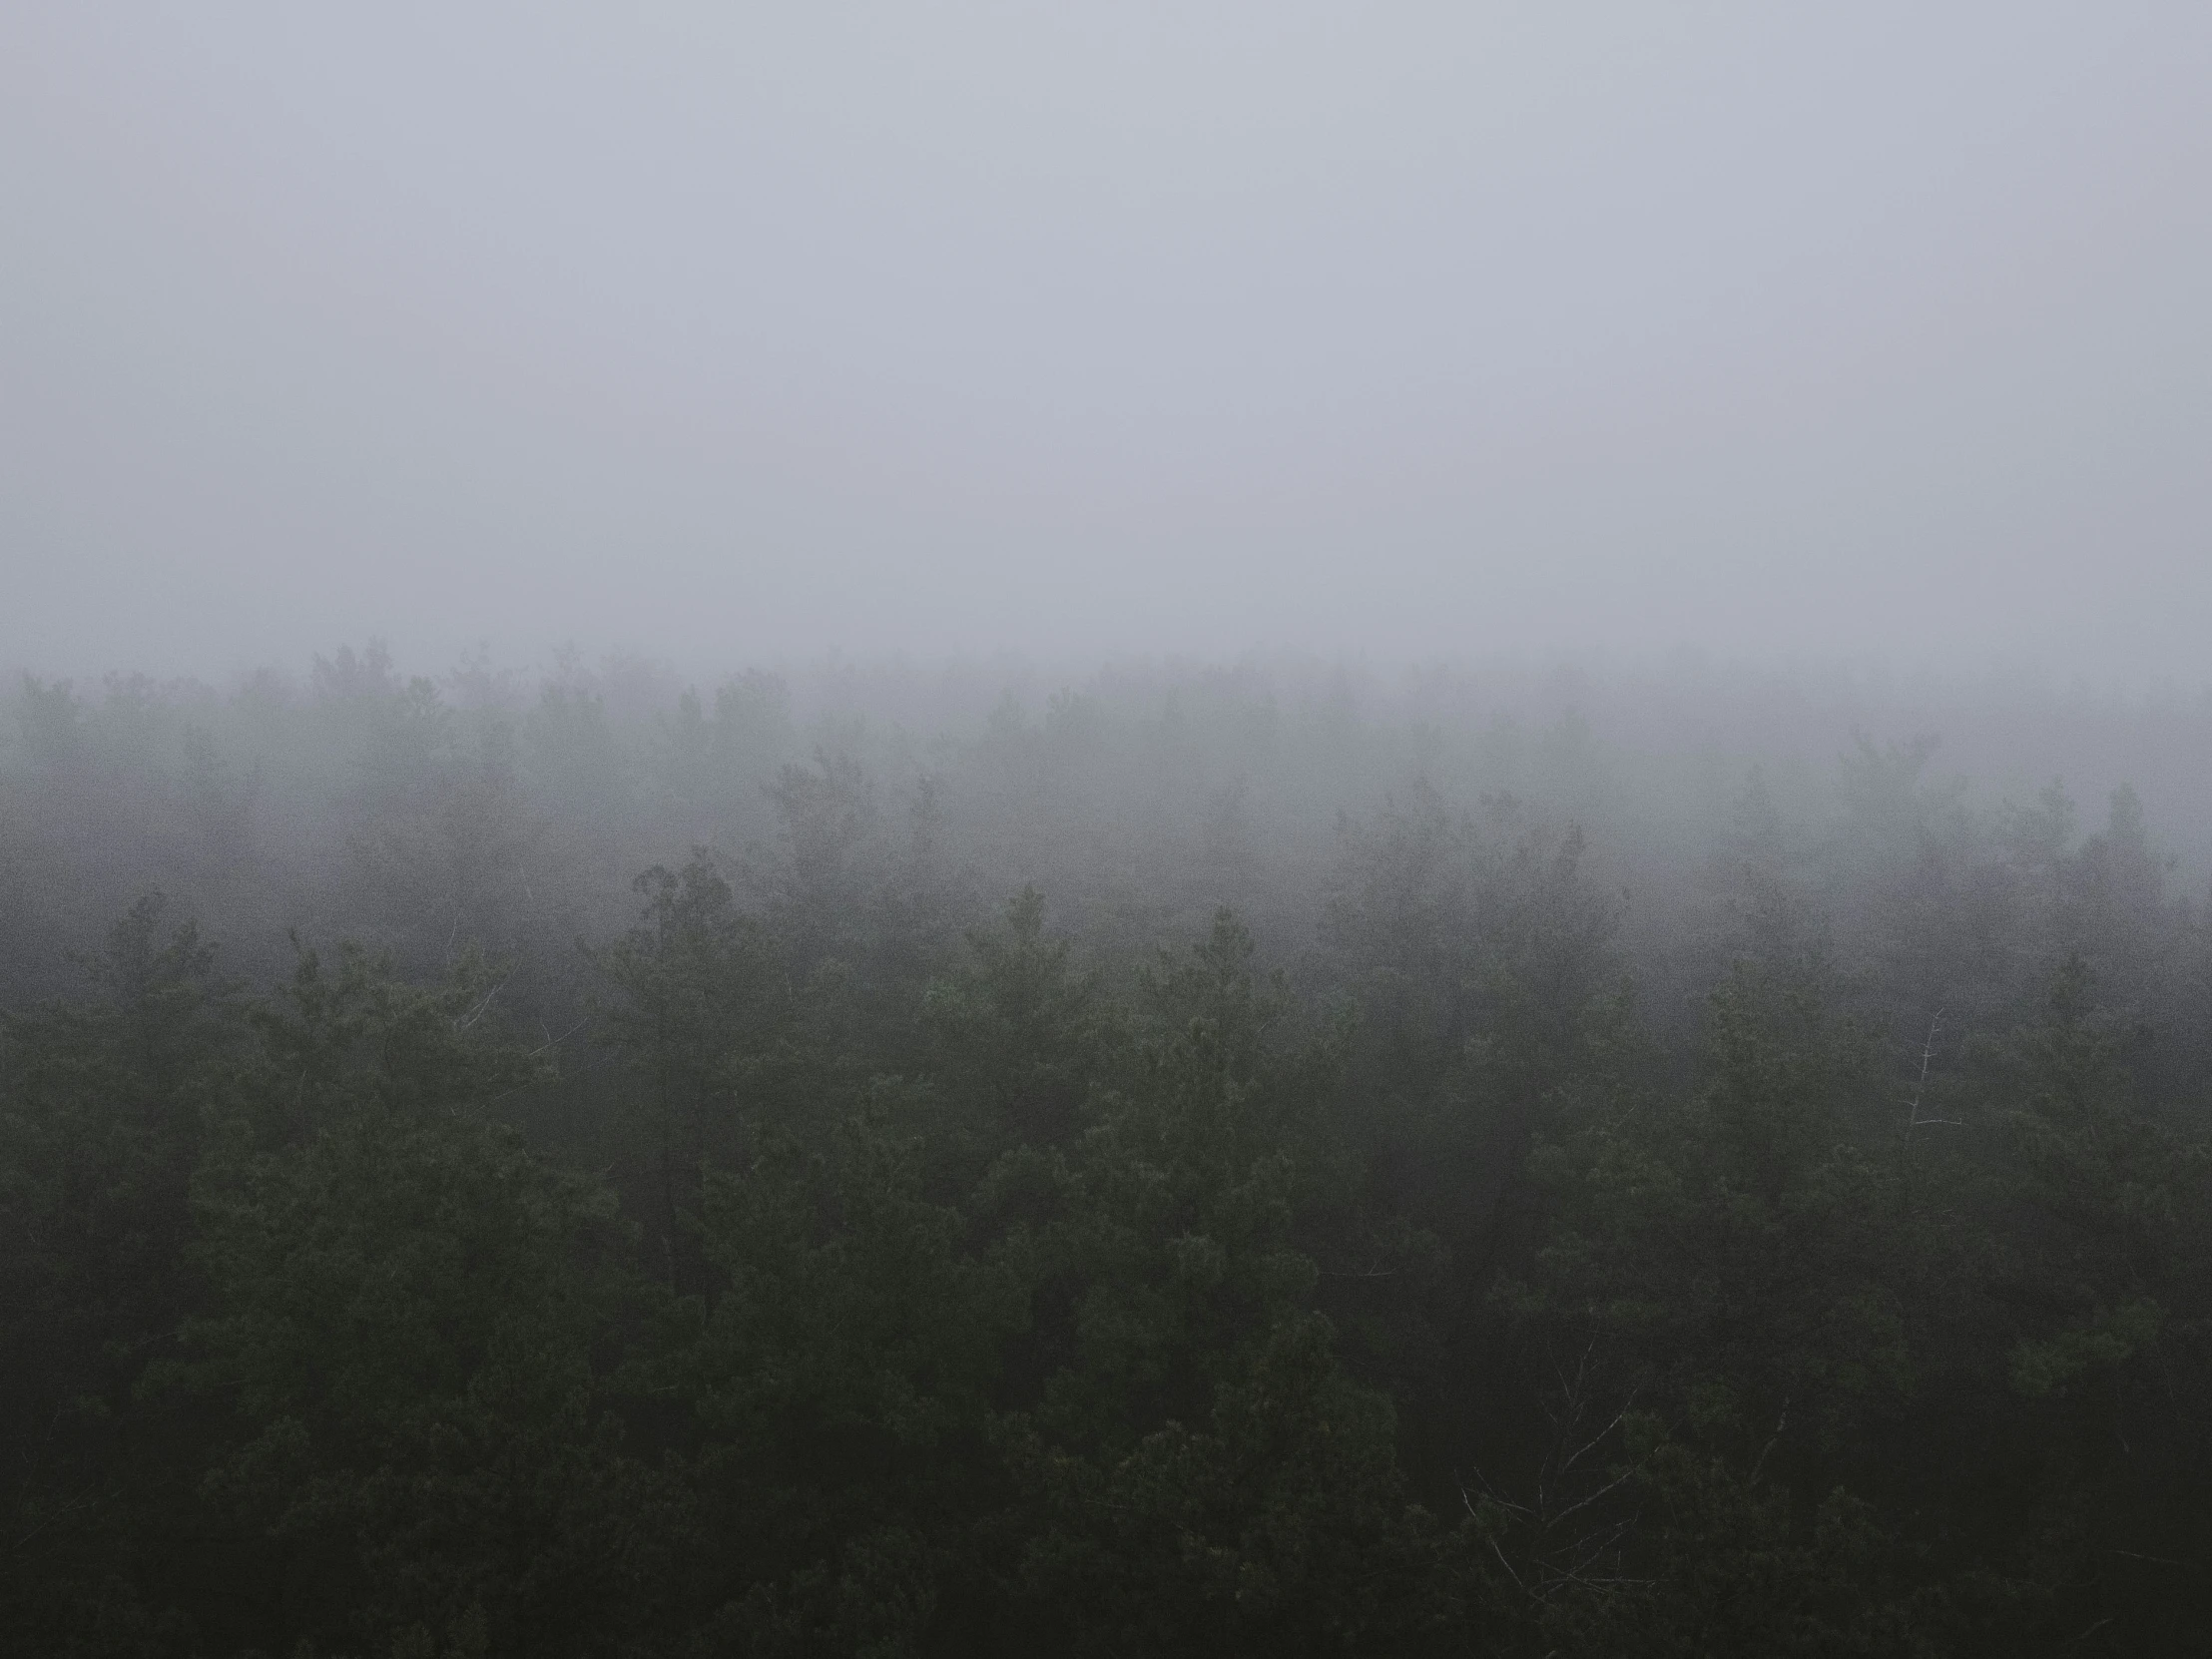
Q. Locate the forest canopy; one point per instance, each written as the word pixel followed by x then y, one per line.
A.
pixel 1187 1160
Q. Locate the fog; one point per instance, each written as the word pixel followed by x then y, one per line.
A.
pixel 1153 832
pixel 1412 331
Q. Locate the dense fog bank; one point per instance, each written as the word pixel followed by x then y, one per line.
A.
pixel 361 799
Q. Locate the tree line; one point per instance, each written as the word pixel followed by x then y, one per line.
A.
pixel 1324 1229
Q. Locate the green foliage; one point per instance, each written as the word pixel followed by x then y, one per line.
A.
pixel 401 1313
pixel 842 1384
pixel 100 1115
pixel 823 1262
pixel 1208 1480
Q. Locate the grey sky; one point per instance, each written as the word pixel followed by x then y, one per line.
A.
pixel 745 330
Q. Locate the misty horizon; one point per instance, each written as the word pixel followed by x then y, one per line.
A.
pixel 1153 832
pixel 1091 334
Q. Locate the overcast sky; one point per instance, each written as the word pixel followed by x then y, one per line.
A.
pixel 748 332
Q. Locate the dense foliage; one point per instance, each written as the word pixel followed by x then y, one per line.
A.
pixel 1227 1181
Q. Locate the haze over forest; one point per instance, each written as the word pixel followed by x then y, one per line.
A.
pixel 1125 831
pixel 734 334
